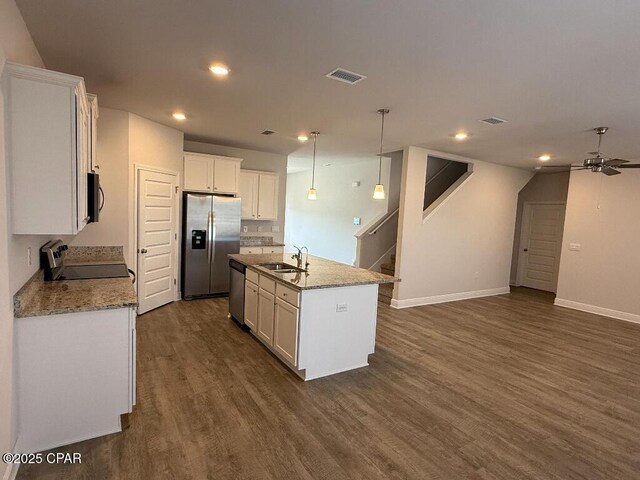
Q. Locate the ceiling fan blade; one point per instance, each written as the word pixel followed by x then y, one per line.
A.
pixel 610 171
pixel 629 165
pixel 615 162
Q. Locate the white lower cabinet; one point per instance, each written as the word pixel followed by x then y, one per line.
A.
pixel 75 376
pixel 285 335
pixel 251 305
pixel 266 304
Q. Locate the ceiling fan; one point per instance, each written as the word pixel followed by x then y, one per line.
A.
pixel 599 163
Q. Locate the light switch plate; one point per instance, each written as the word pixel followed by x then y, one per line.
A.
pixel 355 184
pixel 259 229
pixel 245 229
pixel 575 247
pixel 342 307
pixel 275 228
pixel 357 220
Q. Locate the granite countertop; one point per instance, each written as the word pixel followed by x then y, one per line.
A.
pixel 39 298
pixel 259 242
pixel 322 273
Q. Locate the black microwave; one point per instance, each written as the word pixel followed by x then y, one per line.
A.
pixel 94 202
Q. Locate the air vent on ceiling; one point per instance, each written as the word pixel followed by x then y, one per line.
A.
pixel 493 120
pixel 268 132
pixel 345 76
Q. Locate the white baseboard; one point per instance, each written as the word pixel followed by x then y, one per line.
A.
pixel 451 297
pixel 607 312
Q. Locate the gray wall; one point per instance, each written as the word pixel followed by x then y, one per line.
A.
pixel 254 160
pixel 541 188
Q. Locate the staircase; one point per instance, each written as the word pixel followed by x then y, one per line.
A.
pixel 385 291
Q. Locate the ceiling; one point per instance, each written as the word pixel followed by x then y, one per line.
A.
pixel 552 69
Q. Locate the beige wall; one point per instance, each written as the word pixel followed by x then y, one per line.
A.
pixel 325 225
pixel 15 45
pixel 254 160
pixel 464 248
pixel 124 141
pixel 602 216
pixel 541 188
pixel 112 153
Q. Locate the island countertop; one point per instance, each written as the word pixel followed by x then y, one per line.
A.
pixel 322 273
pixel 39 298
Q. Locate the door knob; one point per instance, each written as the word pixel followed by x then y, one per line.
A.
pixel 144 250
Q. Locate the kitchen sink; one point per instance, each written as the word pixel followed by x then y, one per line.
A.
pixel 281 267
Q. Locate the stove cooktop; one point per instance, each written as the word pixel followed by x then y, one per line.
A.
pixel 85 272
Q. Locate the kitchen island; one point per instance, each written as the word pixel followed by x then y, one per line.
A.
pixel 320 321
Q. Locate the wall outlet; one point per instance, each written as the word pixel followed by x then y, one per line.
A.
pixel 259 229
pixel 275 228
pixel 342 307
pixel 29 261
pixel 355 184
pixel 245 229
pixel 357 220
pixel 575 247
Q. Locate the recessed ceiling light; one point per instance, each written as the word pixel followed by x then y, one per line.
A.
pixel 545 157
pixel 179 116
pixel 220 70
pixel 302 137
pixel 461 136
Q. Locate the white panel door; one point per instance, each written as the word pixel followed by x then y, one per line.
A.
pixel 157 213
pixel 542 245
pixel 285 336
pixel 266 304
pixel 226 175
pixel 268 197
pixel 198 173
pixel 248 193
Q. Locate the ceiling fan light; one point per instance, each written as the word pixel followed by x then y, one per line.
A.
pixel 378 192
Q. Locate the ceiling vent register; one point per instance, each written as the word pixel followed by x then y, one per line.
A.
pixel 268 132
pixel 345 76
pixel 493 121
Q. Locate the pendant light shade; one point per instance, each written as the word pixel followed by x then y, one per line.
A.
pixel 313 193
pixel 378 192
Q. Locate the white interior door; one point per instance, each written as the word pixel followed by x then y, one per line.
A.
pixel 157 239
pixel 541 244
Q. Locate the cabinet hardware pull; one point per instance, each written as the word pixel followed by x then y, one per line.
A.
pixel 144 250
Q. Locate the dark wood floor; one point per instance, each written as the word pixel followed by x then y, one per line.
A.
pixel 504 387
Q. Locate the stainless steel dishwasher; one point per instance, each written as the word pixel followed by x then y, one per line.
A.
pixel 236 291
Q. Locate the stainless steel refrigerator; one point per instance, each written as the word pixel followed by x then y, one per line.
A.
pixel 211 231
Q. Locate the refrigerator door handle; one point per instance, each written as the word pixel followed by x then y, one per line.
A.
pixel 210 235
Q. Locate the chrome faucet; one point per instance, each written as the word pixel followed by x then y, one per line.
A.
pixel 298 258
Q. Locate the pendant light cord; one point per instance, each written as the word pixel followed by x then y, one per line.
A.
pixel 313 167
pixel 383 112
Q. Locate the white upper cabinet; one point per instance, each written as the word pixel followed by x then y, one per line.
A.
pixel 248 192
pixel 211 173
pixel 47 128
pixel 268 197
pixel 259 193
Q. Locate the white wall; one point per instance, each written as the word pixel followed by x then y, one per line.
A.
pixel 254 160
pixel 15 45
pixel 551 187
pixel 602 216
pixel 325 225
pixel 464 248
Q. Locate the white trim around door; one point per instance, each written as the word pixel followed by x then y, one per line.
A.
pixel 134 231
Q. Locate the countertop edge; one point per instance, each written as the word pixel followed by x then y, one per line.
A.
pixel 63 311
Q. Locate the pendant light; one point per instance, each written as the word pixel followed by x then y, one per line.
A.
pixel 378 192
pixel 312 195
